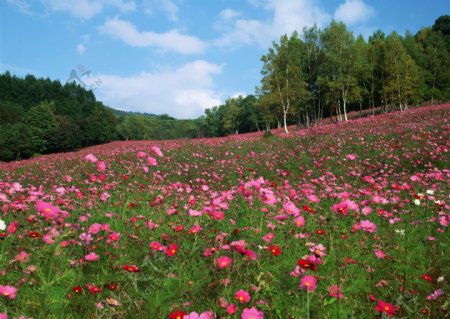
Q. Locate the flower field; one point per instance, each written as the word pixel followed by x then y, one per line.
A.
pixel 344 220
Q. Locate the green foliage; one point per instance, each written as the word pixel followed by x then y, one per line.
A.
pixel 39 116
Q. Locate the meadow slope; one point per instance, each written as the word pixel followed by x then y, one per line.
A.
pixel 346 220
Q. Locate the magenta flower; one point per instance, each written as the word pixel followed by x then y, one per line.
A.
pixel 291 209
pixel 157 151
pixel 335 291
pixel 48 210
pixel 242 296
pixel 224 262
pixel 152 161
pixel 231 308
pixel 309 283
pixel 94 228
pixel 156 245
pixel 101 166
pixel 203 315
pixel 141 154
pixel 8 291
pixel 268 198
pixel 22 257
pixel 299 221
pixel 12 228
pixel 368 226
pixel 252 313
pixel 379 253
pixel 90 158
pixel 91 257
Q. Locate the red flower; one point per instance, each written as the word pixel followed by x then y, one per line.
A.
pixel 177 314
pixel 178 228
pixel 112 287
pixel 275 250
pixel 131 268
pixel 348 260
pixel 320 232
pixel 93 289
pixel 426 277
pixel 34 234
pixel 172 250
pixel 384 307
pixel 306 264
pixel 77 289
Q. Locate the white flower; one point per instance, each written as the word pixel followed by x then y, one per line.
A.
pixel 2 225
pixel 430 192
pixel 417 202
pixel 400 232
pixel 440 279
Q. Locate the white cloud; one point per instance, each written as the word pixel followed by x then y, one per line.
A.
pixel 81 48
pixel 23 5
pixel 184 92
pixel 168 6
pixel 86 9
pixel 228 14
pixel 353 11
pixel 287 16
pixel 168 41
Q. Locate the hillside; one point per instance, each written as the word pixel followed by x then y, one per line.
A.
pixel 341 220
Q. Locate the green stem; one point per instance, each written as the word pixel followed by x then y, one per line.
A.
pixel 307 305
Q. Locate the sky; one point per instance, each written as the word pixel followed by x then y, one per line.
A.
pixel 177 57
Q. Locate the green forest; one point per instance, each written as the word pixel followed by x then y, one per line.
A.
pixel 305 77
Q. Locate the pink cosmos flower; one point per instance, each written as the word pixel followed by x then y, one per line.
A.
pixel 90 158
pixel 291 209
pixel 218 215
pixel 313 198
pixel 268 237
pixel 299 221
pixel 368 226
pixel 193 212
pixel 91 257
pixel 268 198
pixel 318 250
pixel 152 161
pixel 242 296
pixel 309 283
pixel 94 228
pixel 141 154
pixel 379 254
pixel 8 291
pixel 22 257
pixel 155 245
pixel 224 262
pixel 252 313
pixel 48 210
pixel 335 291
pixel 157 151
pixel 344 206
pixel 101 166
pixel 435 295
pixel 351 157
pixel 114 236
pixel 231 308
pixel 12 228
pixel 195 229
pixel 104 196
pixel 203 315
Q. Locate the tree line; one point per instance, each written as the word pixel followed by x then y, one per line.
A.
pixel 305 77
pixel 330 72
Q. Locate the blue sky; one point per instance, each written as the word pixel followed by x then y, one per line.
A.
pixel 177 56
